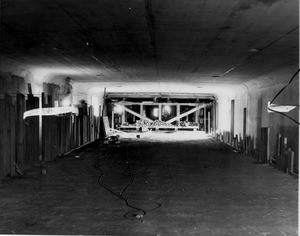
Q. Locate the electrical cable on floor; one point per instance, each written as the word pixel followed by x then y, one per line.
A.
pixel 291 80
pixel 136 210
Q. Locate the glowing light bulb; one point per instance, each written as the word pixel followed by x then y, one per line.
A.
pixel 118 109
pixel 155 112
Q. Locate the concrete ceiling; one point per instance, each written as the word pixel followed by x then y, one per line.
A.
pixel 186 41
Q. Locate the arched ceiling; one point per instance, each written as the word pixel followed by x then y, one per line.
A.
pixel 185 41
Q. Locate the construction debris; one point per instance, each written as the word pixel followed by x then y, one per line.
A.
pixel 114 139
pixel 158 123
pixel 44 171
pixel 18 170
pixel 139 216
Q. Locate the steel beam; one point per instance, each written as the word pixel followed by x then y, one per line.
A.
pixel 186 113
pixel 136 114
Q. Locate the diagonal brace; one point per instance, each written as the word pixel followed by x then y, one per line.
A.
pixel 187 113
pixel 136 114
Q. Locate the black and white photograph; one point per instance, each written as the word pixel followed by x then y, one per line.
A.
pixel 149 117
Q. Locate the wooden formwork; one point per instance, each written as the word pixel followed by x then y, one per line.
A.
pixel 20 139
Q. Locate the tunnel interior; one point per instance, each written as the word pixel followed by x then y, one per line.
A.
pixel 199 94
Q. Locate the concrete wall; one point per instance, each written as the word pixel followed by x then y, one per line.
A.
pixel 258 115
pixel 223 112
pixel 256 98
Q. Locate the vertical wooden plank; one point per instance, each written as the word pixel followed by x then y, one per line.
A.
pixel 44 133
pixel 20 129
pixel 232 118
pixel 280 147
pixel 278 144
pixel 31 130
pixel 68 137
pixel 35 142
pixel 10 133
pixel 58 128
pixel 62 134
pixel 2 139
pixel 247 144
pixel 69 130
pixel 73 131
pixel 88 124
pixel 264 144
pixel 84 129
pixel 244 127
pixel 7 137
pixel 99 123
pixel 27 130
pixel 104 111
pixel 50 133
pixel 113 118
pixel 50 101
pixel 236 139
pixel 290 161
pixel 79 131
pixel 208 117
pixel 96 127
pixel 45 138
pixel 88 130
pixel 56 135
pixel 40 126
pixel 92 125
pixel 282 156
pixel 76 131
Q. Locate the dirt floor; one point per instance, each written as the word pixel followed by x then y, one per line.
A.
pixel 190 187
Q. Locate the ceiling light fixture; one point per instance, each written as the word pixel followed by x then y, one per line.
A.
pixel 279 108
pixel 255 50
pixel 226 72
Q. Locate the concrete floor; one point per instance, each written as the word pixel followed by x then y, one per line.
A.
pixel 203 187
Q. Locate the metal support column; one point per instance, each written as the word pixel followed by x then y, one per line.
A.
pixel 123 114
pixel 141 110
pixel 112 119
pixel 159 111
pixel 178 111
pixel 204 119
